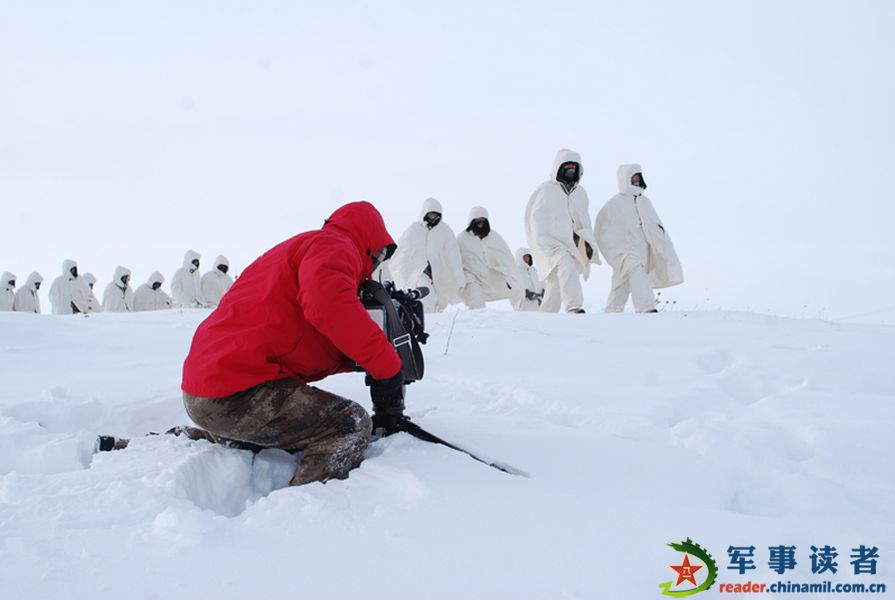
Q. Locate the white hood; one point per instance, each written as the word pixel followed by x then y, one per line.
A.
pixel 220 260
pixel 431 205
pixel 477 212
pixel 89 279
pixel 624 174
pixel 188 259
pixel 33 280
pixel 67 264
pixel 5 279
pixel 119 273
pixel 156 277
pixel 519 254
pixel 563 156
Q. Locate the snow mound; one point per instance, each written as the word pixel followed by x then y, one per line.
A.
pixel 634 430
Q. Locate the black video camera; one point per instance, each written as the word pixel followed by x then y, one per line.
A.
pixel 399 313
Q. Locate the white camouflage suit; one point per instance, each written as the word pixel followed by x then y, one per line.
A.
pixel 27 297
pixel 430 257
pixel 491 271
pixel 216 282
pixel 119 297
pixel 68 293
pixel 532 283
pixel 186 287
pixel 150 296
pixel 635 243
pixel 553 219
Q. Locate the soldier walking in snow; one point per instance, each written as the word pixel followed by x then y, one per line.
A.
pixel 531 299
pixel 27 298
pixel 7 291
pixel 636 244
pixel 67 294
pixel 86 283
pixel 186 287
pixel 558 230
pixel 150 295
pixel 491 272
pixel 119 297
pixel 216 282
pixel 428 256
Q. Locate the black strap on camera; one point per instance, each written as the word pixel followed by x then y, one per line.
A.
pixel 405 344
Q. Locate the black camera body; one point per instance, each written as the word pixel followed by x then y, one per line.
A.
pixel 400 314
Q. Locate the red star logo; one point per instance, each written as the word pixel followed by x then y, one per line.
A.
pixel 685 571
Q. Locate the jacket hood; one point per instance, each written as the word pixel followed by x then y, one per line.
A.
pixel 431 205
pixel 364 224
pixel 477 212
pixel 624 179
pixel 520 253
pixel 119 273
pixel 67 264
pixel 220 260
pixel 563 156
pixel 5 279
pixel 33 279
pixel 88 278
pixel 156 277
pixel 189 257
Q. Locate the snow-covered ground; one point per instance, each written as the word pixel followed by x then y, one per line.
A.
pixel 730 428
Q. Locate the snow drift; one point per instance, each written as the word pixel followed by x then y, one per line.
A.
pixel 636 431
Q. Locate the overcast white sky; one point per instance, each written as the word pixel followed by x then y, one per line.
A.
pixel 132 131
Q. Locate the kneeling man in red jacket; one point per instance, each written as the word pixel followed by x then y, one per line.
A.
pixel 294 316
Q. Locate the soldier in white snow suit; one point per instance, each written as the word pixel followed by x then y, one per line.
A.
pixel 635 243
pixel 428 255
pixel 216 282
pixel 7 291
pixel 150 295
pixel 558 230
pixel 491 273
pixel 27 298
pixel 119 297
pixel 87 283
pixel 186 287
pixel 531 299
pixel 69 295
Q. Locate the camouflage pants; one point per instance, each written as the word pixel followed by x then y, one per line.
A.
pixel 332 432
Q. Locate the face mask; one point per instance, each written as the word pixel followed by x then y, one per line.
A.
pixel 432 221
pixel 73 271
pixel 156 285
pixel 125 279
pixel 638 181
pixel 569 173
pixel 223 268
pixel 12 283
pixel 37 285
pixel 195 262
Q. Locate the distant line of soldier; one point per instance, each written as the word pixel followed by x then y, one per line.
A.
pixel 73 293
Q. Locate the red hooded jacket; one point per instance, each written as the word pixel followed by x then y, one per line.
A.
pixel 295 312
